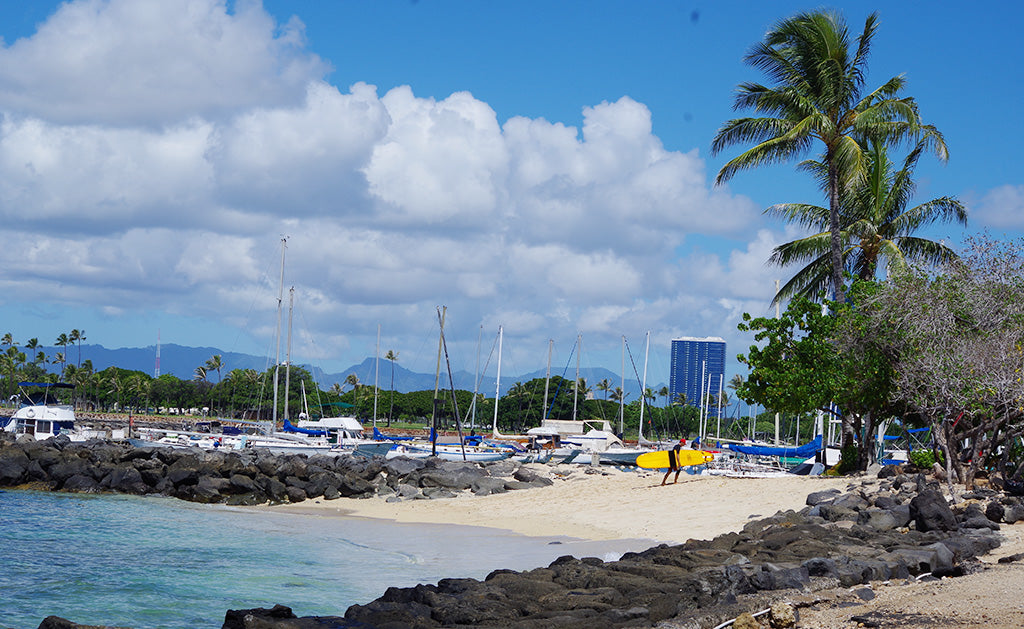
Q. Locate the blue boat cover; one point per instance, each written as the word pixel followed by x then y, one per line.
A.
pixel 807 450
pixel 48 385
pixel 288 427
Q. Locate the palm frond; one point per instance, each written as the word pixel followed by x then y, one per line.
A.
pixel 801 249
pixel 803 214
pixel 774 150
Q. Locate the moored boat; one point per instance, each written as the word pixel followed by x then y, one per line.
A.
pixel 41 416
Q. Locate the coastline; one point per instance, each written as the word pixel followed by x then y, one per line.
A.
pixel 618 505
pixel 608 504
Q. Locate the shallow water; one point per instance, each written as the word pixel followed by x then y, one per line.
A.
pixel 158 562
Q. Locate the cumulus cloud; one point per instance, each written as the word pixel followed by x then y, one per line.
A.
pixel 160 153
pixel 1001 208
pixel 151 62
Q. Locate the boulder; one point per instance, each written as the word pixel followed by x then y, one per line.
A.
pixel 930 512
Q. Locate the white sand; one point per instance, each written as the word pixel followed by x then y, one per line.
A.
pixel 608 505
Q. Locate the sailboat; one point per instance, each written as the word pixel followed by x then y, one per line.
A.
pixel 329 435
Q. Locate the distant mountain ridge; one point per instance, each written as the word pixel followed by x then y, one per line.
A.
pixel 181 361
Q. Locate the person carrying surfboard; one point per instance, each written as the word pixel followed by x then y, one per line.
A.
pixel 673 463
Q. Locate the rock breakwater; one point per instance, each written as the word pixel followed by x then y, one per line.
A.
pixel 247 477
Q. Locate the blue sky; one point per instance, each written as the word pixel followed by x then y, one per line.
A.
pixel 543 166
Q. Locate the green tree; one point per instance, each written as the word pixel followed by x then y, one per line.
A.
pixel 797 367
pixel 956 341
pixel 819 96
pixel 392 355
pixel 604 385
pixel 77 336
pixel 62 341
pixel 876 225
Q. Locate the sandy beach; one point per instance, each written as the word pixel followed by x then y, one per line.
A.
pixel 613 504
pixel 610 504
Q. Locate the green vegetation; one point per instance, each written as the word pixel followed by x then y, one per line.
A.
pixel 934 348
pixel 819 97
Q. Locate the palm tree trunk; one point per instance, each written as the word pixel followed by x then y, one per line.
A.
pixel 838 294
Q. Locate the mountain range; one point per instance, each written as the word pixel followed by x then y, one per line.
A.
pixel 181 361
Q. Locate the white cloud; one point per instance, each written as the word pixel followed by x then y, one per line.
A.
pixel 1001 207
pixel 171 194
pixel 154 62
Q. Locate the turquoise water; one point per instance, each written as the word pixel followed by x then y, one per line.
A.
pixel 158 562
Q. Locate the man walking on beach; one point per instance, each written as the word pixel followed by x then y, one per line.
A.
pixel 673 463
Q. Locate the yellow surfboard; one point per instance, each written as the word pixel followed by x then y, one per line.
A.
pixel 684 457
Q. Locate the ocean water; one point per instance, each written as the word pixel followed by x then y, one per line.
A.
pixel 143 562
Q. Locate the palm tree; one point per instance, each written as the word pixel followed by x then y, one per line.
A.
pixel 664 392
pixel 649 394
pixel 819 96
pixel 9 367
pixel 62 341
pixel 604 385
pixel 517 390
pixel 582 389
pixel 875 224
pixel 58 359
pixel 352 380
pixel 215 363
pixel 79 336
pixel 392 355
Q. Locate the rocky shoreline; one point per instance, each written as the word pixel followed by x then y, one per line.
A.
pixel 244 478
pixel 899 528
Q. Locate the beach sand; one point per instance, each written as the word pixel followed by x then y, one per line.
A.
pixel 613 504
pixel 610 504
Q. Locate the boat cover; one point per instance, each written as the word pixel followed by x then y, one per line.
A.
pixel 807 450
pixel 288 427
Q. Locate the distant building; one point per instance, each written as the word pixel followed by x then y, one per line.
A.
pixel 698 364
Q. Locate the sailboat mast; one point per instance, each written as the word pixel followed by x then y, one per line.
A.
pixel 441 312
pixel 622 390
pixel 497 387
pixel 718 430
pixel 547 382
pixel 576 385
pixel 700 422
pixel 277 336
pixel 376 378
pixel 476 380
pixel 288 354
pixel 643 391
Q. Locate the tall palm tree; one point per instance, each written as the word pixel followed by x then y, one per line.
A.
pixel 77 336
pixel 392 355
pixel 664 392
pixel 352 380
pixel 875 225
pixel 819 95
pixel 604 385
pixel 215 363
pixel 59 359
pixel 62 341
